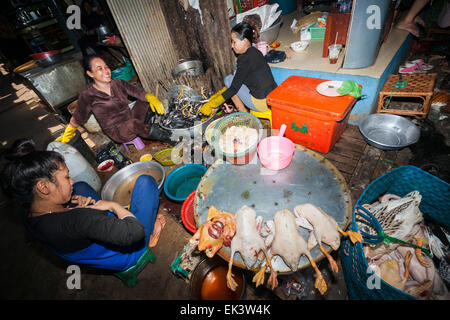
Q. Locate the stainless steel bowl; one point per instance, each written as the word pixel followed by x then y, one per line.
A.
pixel 50 60
pixel 271 34
pixel 388 131
pixel 126 177
pixel 175 91
pixel 199 128
pixel 188 68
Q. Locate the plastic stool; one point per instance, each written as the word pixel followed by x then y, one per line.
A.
pixel 265 115
pixel 129 276
pixel 137 143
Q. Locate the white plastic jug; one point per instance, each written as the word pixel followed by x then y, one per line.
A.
pixel 79 168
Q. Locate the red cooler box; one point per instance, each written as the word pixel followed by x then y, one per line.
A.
pixel 313 120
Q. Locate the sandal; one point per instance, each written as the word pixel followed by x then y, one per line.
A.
pixel 415 66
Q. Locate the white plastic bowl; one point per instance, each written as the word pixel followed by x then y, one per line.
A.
pixel 299 46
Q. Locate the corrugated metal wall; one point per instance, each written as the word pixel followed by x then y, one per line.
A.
pixel 145 35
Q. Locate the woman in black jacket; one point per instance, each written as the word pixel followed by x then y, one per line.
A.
pixel 252 81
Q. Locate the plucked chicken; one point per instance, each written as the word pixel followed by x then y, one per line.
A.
pixel 249 243
pixel 290 246
pixel 322 228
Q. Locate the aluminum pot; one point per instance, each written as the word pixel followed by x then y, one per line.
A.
pixel 48 58
pixel 103 30
pixel 188 68
pixel 271 34
pixel 194 96
pixel 45 54
pixel 389 131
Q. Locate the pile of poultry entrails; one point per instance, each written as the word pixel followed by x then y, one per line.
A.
pixel 403 266
pixel 246 233
pixel 183 111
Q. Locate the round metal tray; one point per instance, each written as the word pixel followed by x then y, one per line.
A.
pixel 389 131
pixel 309 178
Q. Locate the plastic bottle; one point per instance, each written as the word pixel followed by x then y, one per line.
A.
pixel 79 168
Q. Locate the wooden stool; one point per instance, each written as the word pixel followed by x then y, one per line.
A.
pixel 419 85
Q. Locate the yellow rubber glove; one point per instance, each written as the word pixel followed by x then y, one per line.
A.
pixel 154 103
pixel 68 134
pixel 221 91
pixel 215 101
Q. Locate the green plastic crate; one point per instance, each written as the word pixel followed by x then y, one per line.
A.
pixel 317 33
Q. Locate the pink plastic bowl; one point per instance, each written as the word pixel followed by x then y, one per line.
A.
pixel 276 152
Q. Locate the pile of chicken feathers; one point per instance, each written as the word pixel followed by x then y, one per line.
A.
pixel 405 267
pixel 259 242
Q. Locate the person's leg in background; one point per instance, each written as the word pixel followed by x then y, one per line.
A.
pixel 81 188
pixel 408 23
pixel 444 17
pixel 83 44
pixel 144 205
pixel 243 98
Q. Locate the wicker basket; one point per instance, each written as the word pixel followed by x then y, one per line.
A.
pixel 435 203
pixel 238 119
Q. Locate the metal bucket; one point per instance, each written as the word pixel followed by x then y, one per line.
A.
pixel 125 178
pixel 199 128
pixel 188 68
pixel 271 34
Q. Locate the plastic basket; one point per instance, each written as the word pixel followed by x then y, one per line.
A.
pixel 317 33
pixel 238 119
pixel 187 213
pixel 400 181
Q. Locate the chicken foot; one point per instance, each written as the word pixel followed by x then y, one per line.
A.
pixel 320 283
pixel 419 253
pixel 354 236
pixel 332 262
pixel 259 276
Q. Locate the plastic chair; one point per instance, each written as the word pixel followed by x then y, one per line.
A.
pixel 264 115
pixel 129 276
pixel 137 143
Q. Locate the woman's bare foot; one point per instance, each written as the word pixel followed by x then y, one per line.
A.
pixel 160 222
pixel 410 27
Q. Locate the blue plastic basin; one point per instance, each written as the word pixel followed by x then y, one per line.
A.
pixel 182 181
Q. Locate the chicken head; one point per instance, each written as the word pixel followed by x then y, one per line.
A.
pixel 218 229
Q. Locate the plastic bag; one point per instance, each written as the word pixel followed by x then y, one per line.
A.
pixel 350 87
pixel 268 14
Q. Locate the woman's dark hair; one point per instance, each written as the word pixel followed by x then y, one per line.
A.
pixel 87 61
pixel 26 167
pixel 87 64
pixel 244 31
